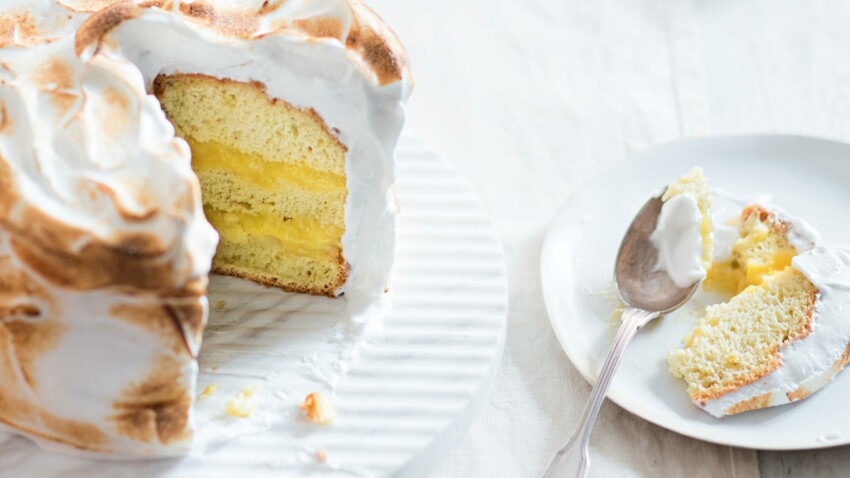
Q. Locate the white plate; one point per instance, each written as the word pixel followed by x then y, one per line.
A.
pixel 406 388
pixel 806 177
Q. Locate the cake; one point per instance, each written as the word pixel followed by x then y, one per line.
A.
pixel 289 113
pixel 294 156
pixel 782 335
pixel 317 407
pixel 684 234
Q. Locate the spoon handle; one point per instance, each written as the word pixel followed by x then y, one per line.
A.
pixel 573 460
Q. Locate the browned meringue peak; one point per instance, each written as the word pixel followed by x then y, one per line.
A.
pixel 30 22
pixel 105 253
pixel 97 192
pixel 371 45
pixel 313 74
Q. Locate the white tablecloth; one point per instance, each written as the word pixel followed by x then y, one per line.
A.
pixel 531 97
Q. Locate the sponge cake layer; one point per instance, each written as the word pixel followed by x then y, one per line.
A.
pixel 739 342
pixel 272 177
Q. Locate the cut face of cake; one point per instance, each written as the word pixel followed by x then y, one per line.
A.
pixel 684 234
pixel 292 130
pixel 782 335
pixel 273 181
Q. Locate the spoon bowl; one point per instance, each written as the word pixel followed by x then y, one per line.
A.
pixel 637 279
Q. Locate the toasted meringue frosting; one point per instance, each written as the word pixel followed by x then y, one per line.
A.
pixel 321 73
pixel 104 248
pixel 105 253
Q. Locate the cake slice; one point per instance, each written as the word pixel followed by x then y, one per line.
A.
pixel 781 336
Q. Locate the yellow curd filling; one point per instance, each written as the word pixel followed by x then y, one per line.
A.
pixel 304 237
pixel 731 278
pixel 748 269
pixel 256 170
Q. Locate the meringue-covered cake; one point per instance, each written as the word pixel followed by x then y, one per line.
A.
pixel 292 126
pixel 104 256
pixel 782 335
pixel 289 113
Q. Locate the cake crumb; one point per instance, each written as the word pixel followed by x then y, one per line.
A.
pixel 615 319
pixel 244 404
pixel 219 305
pixel 321 456
pixel 208 390
pixel 318 408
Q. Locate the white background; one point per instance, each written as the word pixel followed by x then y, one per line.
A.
pixel 530 97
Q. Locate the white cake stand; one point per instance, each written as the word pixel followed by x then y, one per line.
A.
pixel 407 383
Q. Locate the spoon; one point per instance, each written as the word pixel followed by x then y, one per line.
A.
pixel 648 293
